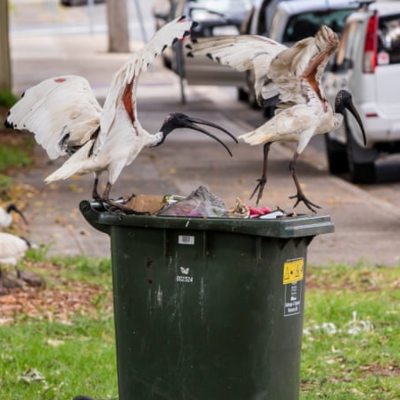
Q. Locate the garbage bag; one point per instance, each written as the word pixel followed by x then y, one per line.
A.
pixel 200 203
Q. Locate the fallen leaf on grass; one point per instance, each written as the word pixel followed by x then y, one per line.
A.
pixel 32 375
pixel 55 342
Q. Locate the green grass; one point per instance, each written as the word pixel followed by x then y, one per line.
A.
pixel 340 365
pixel 72 359
pixel 11 156
pixel 7 99
pixel 79 357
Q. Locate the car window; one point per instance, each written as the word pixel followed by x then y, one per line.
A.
pixel 307 24
pixel 222 6
pixel 389 40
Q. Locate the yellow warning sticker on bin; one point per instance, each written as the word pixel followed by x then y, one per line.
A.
pixel 293 271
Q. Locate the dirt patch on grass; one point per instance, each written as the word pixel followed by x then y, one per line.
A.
pixel 53 304
pixel 379 370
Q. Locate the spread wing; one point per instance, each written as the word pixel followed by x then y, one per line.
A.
pixel 247 52
pixel 124 85
pixel 61 112
pixel 292 73
pixel 297 71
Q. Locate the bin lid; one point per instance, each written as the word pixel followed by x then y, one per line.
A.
pixel 286 227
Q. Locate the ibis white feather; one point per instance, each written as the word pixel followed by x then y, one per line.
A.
pixel 12 248
pixel 62 112
pixel 121 136
pixel 5 218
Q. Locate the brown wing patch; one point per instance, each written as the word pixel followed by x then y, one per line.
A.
pixel 128 102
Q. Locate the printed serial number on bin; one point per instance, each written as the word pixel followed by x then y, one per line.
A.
pixel 293 271
pixel 188 240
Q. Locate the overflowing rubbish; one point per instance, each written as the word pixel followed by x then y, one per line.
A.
pixel 201 203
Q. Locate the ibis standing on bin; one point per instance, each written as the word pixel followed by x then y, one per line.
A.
pixel 290 78
pixel 66 118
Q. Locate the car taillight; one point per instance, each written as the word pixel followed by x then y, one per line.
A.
pixel 371 45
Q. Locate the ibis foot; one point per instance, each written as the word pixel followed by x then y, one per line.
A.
pixel 300 197
pixel 259 188
pixel 124 201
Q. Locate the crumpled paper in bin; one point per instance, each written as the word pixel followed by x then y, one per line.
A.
pixel 200 203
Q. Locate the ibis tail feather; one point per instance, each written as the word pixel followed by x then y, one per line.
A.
pixel 78 163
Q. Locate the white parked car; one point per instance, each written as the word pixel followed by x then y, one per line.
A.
pixel 368 65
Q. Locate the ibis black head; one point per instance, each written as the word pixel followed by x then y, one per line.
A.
pixel 179 120
pixel 13 208
pixel 343 102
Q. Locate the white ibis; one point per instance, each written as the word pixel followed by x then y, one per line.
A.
pixel 66 118
pixel 290 77
pixel 5 215
pixel 12 248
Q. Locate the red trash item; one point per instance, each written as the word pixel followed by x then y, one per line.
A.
pixel 258 212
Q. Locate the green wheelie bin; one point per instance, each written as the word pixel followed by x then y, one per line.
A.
pixel 208 309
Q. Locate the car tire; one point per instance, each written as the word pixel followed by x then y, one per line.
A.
pixel 336 154
pixel 361 160
pixel 242 95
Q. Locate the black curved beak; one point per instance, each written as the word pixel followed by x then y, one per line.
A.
pixel 208 123
pixel 351 107
pixel 199 129
pixel 13 208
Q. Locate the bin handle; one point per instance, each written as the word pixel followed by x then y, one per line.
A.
pixel 93 216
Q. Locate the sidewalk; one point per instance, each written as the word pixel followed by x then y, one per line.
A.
pixel 366 227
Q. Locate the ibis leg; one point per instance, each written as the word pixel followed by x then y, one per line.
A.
pixel 263 180
pixel 95 193
pixel 300 196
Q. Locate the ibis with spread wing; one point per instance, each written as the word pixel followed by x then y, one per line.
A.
pixel 291 79
pixel 66 118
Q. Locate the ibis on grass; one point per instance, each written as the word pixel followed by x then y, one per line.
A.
pixel 290 78
pixel 5 215
pixel 66 118
pixel 12 249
